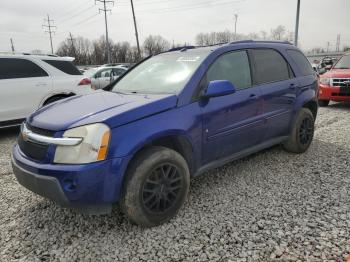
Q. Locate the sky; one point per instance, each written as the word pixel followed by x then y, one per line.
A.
pixel 176 20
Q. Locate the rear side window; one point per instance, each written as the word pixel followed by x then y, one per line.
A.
pixel 302 62
pixel 19 68
pixel 270 66
pixel 233 67
pixel 65 66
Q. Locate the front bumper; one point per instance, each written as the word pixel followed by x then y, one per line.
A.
pixel 92 188
pixel 332 93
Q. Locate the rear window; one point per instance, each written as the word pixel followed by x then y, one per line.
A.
pixel 11 68
pixel 65 66
pixel 270 66
pixel 302 62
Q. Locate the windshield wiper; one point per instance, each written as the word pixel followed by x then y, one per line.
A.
pixel 342 68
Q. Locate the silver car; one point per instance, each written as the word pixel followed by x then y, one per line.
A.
pixel 102 76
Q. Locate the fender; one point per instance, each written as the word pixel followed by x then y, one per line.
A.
pixel 128 139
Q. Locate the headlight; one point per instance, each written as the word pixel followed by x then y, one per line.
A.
pixel 93 147
pixel 325 81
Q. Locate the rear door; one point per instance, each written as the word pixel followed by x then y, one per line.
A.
pixel 278 87
pixel 233 122
pixel 23 85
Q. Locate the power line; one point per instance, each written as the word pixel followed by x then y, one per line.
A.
pixel 49 27
pixel 75 15
pixel 191 7
pixel 105 10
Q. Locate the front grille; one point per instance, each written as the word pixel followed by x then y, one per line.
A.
pixel 340 82
pixel 341 94
pixel 33 150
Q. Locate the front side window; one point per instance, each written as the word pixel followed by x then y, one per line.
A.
pixel 343 63
pixel 233 67
pixel 270 66
pixel 164 73
pixel 302 62
pixel 11 68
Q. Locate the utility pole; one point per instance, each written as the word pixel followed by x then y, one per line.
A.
pixel 328 44
pixel 236 18
pixel 297 24
pixel 49 27
pixel 12 47
pixel 337 49
pixel 72 43
pixel 105 10
pixel 135 25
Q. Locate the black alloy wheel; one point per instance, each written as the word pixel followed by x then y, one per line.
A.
pixel 161 189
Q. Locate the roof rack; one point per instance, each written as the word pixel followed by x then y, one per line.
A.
pixel 261 41
pixel 181 48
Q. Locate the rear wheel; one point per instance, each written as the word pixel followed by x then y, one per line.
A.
pixel 323 103
pixel 302 134
pixel 156 186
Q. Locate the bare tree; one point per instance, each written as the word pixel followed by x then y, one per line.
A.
pixel 278 32
pixel 155 45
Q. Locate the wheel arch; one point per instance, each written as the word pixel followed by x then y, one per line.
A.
pixel 177 141
pixel 63 95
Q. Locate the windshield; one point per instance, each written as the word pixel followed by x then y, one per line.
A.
pixel 343 63
pixel 164 73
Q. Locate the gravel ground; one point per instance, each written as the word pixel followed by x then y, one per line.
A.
pixel 272 206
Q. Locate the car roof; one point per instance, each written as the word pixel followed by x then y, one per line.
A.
pixel 37 56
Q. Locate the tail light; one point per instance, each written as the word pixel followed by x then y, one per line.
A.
pixel 84 81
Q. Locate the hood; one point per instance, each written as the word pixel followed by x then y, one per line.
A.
pixel 337 73
pixel 113 109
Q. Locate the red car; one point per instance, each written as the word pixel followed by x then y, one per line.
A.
pixel 335 84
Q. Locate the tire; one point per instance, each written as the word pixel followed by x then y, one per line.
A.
pixel 53 99
pixel 323 103
pixel 156 186
pixel 302 133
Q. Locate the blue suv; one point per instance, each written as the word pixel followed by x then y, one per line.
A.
pixel 170 118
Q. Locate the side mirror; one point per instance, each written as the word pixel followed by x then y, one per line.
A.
pixel 219 88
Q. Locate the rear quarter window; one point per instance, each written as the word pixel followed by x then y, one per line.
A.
pixel 64 66
pixel 11 68
pixel 301 61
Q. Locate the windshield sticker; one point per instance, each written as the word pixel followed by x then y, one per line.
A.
pixel 188 59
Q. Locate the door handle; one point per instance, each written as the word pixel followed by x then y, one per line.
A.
pixel 40 84
pixel 292 86
pixel 253 97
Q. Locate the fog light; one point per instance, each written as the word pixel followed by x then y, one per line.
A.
pixel 69 185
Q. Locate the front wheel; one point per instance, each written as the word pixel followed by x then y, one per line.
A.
pixel 157 183
pixel 302 134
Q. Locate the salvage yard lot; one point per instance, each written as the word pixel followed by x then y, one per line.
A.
pixel 269 206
